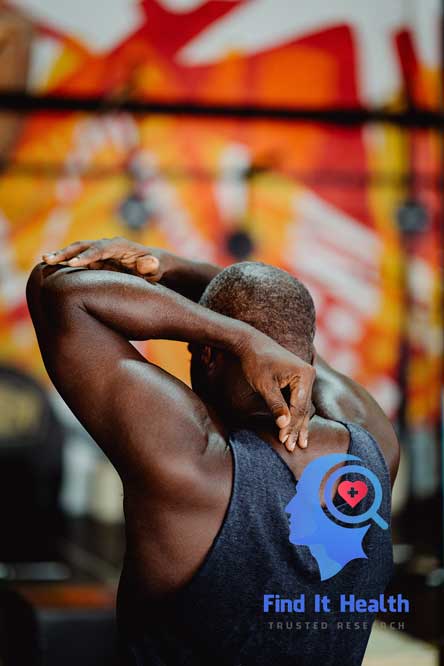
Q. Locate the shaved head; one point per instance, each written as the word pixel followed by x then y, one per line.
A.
pixel 268 298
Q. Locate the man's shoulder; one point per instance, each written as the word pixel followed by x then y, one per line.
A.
pixel 328 436
pixel 342 398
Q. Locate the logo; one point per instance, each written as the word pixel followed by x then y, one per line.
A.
pixel 333 533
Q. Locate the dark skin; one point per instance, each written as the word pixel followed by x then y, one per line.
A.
pixel 168 444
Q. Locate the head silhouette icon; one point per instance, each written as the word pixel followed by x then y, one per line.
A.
pixel 332 545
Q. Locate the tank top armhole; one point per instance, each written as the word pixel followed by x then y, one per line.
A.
pixel 376 447
pixel 219 534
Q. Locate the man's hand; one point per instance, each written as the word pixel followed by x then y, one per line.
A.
pixel 269 368
pixel 186 277
pixel 115 254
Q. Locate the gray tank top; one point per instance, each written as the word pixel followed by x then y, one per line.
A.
pixel 218 618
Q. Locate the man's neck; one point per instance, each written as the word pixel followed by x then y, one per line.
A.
pixel 324 436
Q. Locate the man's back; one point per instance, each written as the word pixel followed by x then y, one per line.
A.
pixel 229 612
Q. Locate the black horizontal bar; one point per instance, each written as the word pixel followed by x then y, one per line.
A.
pixel 339 177
pixel 23 102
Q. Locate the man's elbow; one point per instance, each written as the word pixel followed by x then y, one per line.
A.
pixel 37 283
pixel 48 291
pixel 34 286
pixel 35 278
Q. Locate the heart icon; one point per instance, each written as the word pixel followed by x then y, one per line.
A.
pixel 352 491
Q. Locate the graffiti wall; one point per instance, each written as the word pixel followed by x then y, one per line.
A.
pixel 318 200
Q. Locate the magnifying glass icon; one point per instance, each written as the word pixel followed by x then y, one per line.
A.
pixel 372 512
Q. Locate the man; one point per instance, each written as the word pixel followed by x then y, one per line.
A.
pixel 207 473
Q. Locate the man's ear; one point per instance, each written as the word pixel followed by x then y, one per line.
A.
pixel 314 356
pixel 211 358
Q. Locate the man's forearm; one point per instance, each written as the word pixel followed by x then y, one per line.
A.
pixel 136 309
pixel 190 278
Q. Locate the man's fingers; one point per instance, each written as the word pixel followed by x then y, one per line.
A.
pixel 147 265
pixel 277 405
pixel 303 433
pixel 298 412
pixel 300 403
pixel 290 444
pixel 67 252
pixel 98 265
pixel 94 253
pixel 288 436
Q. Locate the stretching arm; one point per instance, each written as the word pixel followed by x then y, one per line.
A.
pixel 84 321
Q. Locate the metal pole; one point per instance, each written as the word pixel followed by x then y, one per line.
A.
pixel 441 269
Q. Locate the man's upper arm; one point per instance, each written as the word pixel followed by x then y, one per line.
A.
pixel 338 397
pixel 376 422
pixel 149 424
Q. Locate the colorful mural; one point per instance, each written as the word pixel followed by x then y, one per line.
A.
pixel 318 200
